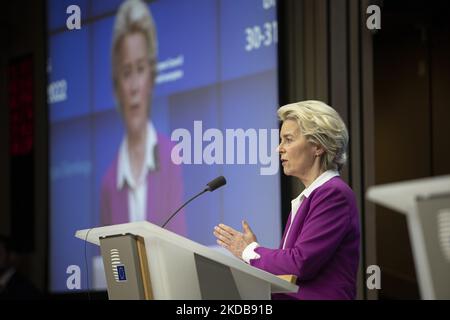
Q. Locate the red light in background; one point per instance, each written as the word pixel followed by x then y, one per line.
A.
pixel 21 104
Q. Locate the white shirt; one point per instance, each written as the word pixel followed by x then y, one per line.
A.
pixel 249 252
pixel 137 194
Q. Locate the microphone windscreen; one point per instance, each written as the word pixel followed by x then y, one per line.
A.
pixel 216 183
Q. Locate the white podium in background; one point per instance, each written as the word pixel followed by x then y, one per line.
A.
pixel 426 204
pixel 144 261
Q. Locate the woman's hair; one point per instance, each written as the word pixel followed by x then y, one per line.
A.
pixel 321 125
pixel 134 16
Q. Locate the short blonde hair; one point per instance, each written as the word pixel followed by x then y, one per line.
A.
pixel 134 16
pixel 321 125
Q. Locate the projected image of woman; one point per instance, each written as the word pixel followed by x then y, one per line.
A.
pixel 142 183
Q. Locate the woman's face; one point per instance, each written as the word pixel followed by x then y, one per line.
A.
pixel 134 81
pixel 297 154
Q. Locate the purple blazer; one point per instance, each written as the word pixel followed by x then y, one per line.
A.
pixel 164 192
pixel 322 249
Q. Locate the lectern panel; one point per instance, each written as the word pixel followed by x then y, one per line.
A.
pixel 122 267
pixel 434 217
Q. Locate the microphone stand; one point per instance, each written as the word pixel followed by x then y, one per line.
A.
pixel 197 195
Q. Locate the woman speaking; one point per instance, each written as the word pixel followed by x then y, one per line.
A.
pixel 320 244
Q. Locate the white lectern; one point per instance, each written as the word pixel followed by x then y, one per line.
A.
pixel 144 261
pixel 426 204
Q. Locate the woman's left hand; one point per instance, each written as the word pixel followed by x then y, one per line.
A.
pixel 233 240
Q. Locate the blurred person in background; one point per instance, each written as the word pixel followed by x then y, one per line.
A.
pixel 142 183
pixel 13 285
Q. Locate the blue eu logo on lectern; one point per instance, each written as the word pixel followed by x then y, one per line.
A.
pixel 121 273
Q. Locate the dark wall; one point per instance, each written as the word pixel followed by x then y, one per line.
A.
pixel 22 30
pixel 411 80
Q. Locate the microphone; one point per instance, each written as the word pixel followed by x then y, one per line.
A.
pixel 216 183
pixel 210 186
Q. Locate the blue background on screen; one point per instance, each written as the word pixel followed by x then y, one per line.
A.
pixel 223 85
pixel 71 195
pixel 69 62
pixel 236 16
pixel 57 14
